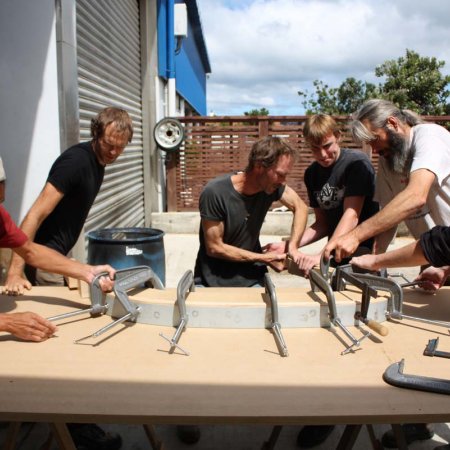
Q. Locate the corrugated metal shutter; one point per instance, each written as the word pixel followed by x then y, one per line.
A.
pixel 109 74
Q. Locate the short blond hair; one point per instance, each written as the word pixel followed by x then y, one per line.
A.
pixel 319 126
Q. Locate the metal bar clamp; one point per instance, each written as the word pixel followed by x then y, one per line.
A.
pixel 185 286
pixel 125 280
pixel 318 282
pixel 275 324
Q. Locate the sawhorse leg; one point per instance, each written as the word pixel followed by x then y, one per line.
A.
pixel 399 436
pixel 270 444
pixel 11 435
pixel 152 437
pixel 349 437
pixel 62 436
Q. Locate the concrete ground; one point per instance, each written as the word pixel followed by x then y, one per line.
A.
pixel 180 250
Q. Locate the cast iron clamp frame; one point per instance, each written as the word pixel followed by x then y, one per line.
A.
pixel 275 324
pixel 318 281
pixel 394 375
pixel 395 303
pixel 125 279
pixel 185 286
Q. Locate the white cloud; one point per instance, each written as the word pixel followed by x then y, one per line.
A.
pixel 263 51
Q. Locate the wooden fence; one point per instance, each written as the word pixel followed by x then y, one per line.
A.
pixel 217 145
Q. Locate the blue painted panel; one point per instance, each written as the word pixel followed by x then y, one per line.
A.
pixel 191 64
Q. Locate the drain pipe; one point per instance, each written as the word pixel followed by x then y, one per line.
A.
pixel 171 86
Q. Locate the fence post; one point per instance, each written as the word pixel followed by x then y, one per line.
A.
pixel 263 127
pixel 171 181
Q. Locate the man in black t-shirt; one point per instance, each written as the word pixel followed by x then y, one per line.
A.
pixel 57 217
pixel 58 214
pixel 232 210
pixel 340 184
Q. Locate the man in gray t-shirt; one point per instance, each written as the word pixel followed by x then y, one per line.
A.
pixel 232 210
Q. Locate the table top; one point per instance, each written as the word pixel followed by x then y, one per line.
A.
pixel 231 375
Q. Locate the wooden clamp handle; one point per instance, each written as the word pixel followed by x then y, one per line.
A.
pixel 377 327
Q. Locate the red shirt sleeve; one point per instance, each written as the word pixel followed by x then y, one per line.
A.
pixel 11 236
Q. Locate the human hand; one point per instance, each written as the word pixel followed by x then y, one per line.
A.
pixel 432 278
pixel 343 246
pixel 106 282
pixel 306 262
pixel 276 247
pixel 277 261
pixel 367 262
pixel 28 326
pixel 15 285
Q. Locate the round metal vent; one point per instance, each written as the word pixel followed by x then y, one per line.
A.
pixel 169 134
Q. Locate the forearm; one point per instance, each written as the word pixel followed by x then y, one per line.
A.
pixel 291 200
pixel 236 254
pixel 51 261
pixel 383 240
pixel 29 226
pixel 298 227
pixel 312 234
pixel 348 222
pixel 398 209
pixel 16 265
pixel 409 255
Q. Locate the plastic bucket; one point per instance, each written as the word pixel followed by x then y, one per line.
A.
pixel 127 247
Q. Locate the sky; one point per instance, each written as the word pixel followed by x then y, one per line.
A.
pixel 262 52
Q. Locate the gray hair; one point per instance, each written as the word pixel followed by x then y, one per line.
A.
pixel 377 112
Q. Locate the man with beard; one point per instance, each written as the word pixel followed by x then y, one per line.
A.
pixel 413 184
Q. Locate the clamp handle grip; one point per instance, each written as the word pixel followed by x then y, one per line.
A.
pixel 377 327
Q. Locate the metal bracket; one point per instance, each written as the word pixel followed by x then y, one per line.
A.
pixel 185 286
pixel 125 280
pixel 275 324
pixel 394 375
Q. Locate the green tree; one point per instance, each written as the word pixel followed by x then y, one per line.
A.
pixel 257 112
pixel 412 82
pixel 415 82
pixel 343 100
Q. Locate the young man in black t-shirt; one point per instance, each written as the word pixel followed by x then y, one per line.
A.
pixel 340 184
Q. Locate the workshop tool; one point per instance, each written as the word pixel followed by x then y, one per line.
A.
pixel 98 297
pixel 394 375
pixel 395 304
pixel 430 349
pixel 319 282
pixel 344 274
pixel 275 324
pixel 125 280
pixel 184 287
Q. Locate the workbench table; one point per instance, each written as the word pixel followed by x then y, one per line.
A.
pixel 231 375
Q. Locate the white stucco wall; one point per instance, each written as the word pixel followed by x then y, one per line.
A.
pixel 29 125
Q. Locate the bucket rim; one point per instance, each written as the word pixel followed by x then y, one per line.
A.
pixel 156 234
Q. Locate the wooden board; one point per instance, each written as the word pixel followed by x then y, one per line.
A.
pixel 234 376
